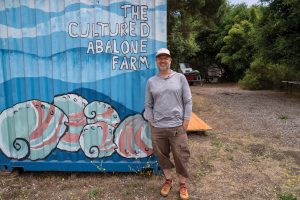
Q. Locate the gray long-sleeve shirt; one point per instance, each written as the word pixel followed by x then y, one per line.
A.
pixel 168 101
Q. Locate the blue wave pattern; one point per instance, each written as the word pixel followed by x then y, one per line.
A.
pixel 39 60
pixel 41 16
pixel 56 55
pixel 73 65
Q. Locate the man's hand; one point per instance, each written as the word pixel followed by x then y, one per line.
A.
pixel 150 123
pixel 185 124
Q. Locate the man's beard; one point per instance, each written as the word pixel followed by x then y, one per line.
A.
pixel 164 68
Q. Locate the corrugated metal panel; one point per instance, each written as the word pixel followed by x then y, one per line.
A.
pixel 72 83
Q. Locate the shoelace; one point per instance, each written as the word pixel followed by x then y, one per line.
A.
pixel 167 183
pixel 183 189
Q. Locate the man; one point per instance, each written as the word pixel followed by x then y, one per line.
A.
pixel 168 107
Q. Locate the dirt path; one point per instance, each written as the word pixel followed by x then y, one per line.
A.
pixel 253 152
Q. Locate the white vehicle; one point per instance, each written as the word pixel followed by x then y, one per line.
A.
pixel 191 75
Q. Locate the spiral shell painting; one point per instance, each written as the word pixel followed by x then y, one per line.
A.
pixel 96 140
pixel 72 105
pixel 100 111
pixel 31 129
pixel 133 137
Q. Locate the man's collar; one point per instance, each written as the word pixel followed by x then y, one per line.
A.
pixel 171 74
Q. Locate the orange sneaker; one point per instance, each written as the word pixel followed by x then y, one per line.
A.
pixel 166 187
pixel 183 192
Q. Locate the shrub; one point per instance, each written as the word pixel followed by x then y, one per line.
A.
pixel 263 75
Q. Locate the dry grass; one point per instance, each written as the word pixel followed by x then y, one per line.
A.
pixel 253 152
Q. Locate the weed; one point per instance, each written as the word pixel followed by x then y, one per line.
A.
pixel 283 117
pixel 205 167
pixel 286 196
pixel 216 143
pixel 200 172
pixel 93 193
pixel 230 157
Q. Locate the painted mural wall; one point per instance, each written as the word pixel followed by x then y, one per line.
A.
pixel 73 76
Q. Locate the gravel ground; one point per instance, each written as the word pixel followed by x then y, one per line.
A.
pixel 256 140
pixel 253 152
pixel 267 114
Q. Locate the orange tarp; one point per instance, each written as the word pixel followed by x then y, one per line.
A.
pixel 197 124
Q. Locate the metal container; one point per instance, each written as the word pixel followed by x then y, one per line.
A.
pixel 72 83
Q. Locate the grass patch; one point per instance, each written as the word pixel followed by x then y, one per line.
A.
pixel 204 168
pixel 230 149
pixel 283 117
pixel 267 154
pixel 93 193
pixel 230 157
pixel 216 143
pixel 286 196
pixel 127 191
pixel 146 172
pixel 201 172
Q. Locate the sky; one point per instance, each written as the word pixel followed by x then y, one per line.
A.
pixel 248 2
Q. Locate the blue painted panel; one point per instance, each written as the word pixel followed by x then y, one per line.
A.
pixel 72 83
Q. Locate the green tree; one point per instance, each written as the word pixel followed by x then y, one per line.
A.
pixel 258 45
pixel 280 33
pixel 185 19
pixel 236 39
pixel 237 52
pixel 277 55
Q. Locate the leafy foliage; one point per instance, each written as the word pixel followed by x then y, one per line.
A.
pixel 257 46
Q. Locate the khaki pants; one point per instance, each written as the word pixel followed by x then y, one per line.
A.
pixel 172 139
